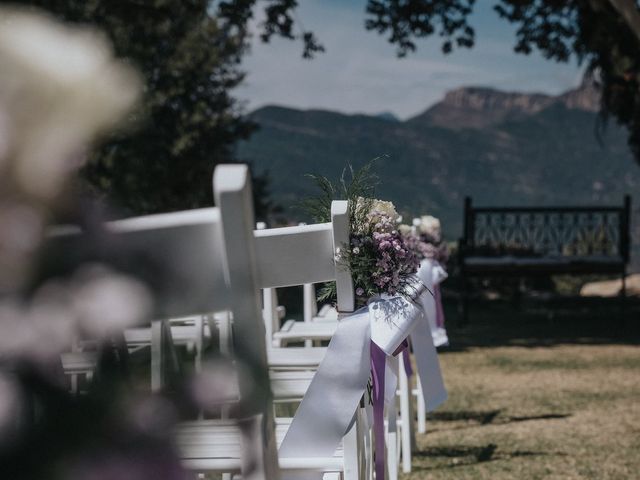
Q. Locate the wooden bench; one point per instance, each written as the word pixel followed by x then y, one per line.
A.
pixel 530 241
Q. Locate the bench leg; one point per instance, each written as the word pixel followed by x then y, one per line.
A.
pixel 623 301
pixel 463 307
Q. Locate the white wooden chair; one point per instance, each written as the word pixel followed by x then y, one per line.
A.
pixel 317 328
pixel 311 268
pixel 189 246
pixel 254 261
pixel 193 332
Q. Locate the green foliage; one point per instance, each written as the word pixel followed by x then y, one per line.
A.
pixel 418 19
pixel 352 185
pixel 188 121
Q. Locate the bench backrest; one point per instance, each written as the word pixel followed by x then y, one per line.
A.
pixel 547 231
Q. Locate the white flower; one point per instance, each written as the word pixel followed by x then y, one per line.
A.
pixel 60 87
pixel 356 250
pixel 380 206
pixel 106 301
pixel 387 208
pixel 430 226
pixel 404 229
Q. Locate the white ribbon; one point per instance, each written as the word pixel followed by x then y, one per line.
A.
pixel 327 409
pixel 432 273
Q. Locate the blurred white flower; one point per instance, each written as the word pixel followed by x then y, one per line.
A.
pixel 152 415
pixel 96 303
pixel 404 229
pixel 430 226
pixel 106 302
pixel 59 88
pixel 37 332
pixel 216 385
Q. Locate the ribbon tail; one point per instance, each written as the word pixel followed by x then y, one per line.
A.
pixel 439 309
pixel 328 407
pixel 426 356
pixel 378 362
pixel 406 361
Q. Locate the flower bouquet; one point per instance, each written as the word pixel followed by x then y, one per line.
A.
pixel 430 243
pixel 378 256
pixel 425 239
pixel 360 356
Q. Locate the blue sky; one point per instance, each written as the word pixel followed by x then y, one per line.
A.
pixel 360 73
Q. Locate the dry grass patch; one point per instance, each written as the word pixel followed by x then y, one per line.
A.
pixel 558 412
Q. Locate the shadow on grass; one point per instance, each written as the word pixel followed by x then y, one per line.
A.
pixel 489 417
pixel 481 417
pixel 465 456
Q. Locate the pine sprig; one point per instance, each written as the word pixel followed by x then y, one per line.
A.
pixel 319 207
pixel 375 255
pixel 352 185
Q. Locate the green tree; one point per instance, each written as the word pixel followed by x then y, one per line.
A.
pixel 188 121
pixel 189 53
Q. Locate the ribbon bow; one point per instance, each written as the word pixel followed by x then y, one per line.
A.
pixel 360 346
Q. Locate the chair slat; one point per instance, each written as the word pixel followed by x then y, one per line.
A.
pixel 178 255
pixel 295 255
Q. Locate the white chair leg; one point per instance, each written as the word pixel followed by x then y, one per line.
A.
pixel 422 410
pixel 199 326
pixel 407 418
pixel 392 442
pixel 75 347
pixel 367 446
pixel 157 361
pixel 310 306
pixel 351 461
pixel 259 455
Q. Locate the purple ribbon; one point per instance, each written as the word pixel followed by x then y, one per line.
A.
pixel 406 360
pixel 378 361
pixel 439 309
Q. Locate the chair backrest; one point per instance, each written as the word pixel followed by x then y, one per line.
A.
pixel 178 255
pixel 305 254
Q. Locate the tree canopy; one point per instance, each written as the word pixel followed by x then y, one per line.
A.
pixel 189 53
pixel 188 120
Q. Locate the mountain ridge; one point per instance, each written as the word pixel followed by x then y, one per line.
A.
pixel 478 107
pixel 536 150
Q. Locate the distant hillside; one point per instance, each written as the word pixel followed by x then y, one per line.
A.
pixel 500 148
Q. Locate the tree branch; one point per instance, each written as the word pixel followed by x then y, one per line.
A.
pixel 628 10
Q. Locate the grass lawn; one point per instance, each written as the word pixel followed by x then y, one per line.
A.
pixel 536 396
